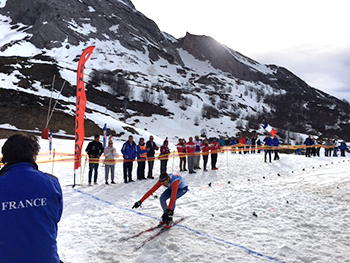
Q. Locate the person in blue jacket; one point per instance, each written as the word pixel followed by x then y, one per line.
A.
pixel 31 205
pixel 275 144
pixel 129 151
pixel 308 143
pixel 268 144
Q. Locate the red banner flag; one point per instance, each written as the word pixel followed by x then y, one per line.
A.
pixel 80 107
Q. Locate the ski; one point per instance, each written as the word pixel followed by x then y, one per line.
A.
pixel 158 233
pixel 144 231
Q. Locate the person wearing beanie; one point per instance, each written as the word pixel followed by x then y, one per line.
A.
pixel 176 186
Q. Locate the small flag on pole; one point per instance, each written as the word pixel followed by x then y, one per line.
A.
pixel 105 136
pixel 268 128
pixel 50 144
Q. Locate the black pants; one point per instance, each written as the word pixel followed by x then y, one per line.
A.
pixel 141 165
pixel 308 152
pixel 163 166
pixel 214 158
pixel 127 169
pixel 276 155
pixel 269 153
pixel 205 161
pixel 150 168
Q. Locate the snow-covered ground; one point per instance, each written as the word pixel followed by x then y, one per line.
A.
pixel 292 210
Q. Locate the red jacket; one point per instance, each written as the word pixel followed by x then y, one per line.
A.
pixel 164 153
pixel 181 148
pixel 215 147
pixel 205 149
pixel 190 147
pixel 242 141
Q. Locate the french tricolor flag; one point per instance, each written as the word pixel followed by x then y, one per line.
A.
pixel 271 130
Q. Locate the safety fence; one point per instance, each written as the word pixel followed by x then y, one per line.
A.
pixel 64 157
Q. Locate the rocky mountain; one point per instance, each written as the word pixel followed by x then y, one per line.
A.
pixel 145 77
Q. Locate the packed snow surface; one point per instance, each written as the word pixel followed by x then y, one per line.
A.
pixel 292 210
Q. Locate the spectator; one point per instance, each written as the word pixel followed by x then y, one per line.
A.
pixel 190 149
pixel 164 156
pixel 233 144
pixel 151 147
pixel 249 145
pixel 129 151
pixel 258 145
pixel 110 154
pixel 328 148
pixel 268 144
pixel 336 147
pixel 308 144
pixel 141 159
pixel 31 205
pixel 298 150
pixel 253 144
pixel 214 149
pixel 94 150
pixel 221 141
pixel 318 147
pixel 181 149
pixel 242 144
pixel 313 149
pixel 197 155
pixel 275 144
pixel 205 152
pixel 342 148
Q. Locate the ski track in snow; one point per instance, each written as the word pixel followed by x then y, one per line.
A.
pixel 301 207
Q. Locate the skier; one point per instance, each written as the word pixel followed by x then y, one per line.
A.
pixel 176 187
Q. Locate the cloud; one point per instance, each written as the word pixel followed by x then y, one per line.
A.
pixel 324 67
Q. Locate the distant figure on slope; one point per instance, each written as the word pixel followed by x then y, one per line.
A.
pixel 176 187
pixel 94 151
pixel 31 205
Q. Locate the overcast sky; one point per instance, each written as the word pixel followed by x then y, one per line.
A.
pixel 310 38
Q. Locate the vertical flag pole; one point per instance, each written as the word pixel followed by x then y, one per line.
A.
pixel 80 109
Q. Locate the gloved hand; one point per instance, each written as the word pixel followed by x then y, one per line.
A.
pixel 137 204
pixel 168 215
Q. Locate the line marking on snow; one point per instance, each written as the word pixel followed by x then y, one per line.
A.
pixel 250 251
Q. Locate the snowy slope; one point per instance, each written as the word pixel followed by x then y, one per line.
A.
pixel 301 207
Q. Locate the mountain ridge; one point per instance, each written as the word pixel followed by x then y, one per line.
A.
pixel 194 79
